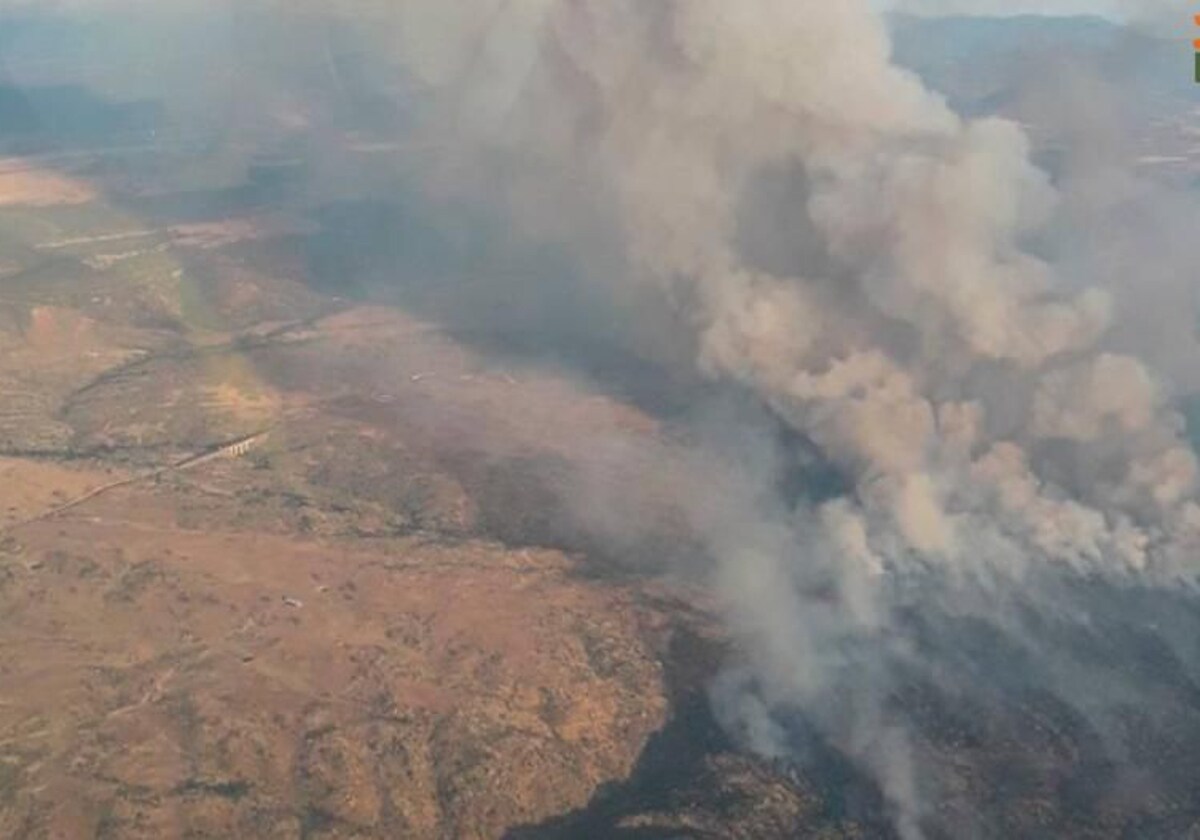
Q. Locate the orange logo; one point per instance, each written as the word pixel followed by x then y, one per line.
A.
pixel 1196 44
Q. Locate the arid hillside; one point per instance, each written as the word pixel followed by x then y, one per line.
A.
pixel 277 565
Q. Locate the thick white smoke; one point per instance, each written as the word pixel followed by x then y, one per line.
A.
pixel 927 352
pixel 920 345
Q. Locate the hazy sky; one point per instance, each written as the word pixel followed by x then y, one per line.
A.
pixel 1160 11
pixel 1163 9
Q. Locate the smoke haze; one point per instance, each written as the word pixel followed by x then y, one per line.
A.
pixel 903 324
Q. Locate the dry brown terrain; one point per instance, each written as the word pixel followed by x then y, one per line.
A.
pixel 168 681
pixel 23 184
pixel 348 626
pixel 213 652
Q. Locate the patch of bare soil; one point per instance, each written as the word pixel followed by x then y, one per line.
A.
pixel 268 571
pixel 306 637
pixel 24 185
pixel 29 488
pixel 158 681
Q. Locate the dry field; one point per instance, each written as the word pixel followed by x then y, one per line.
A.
pixel 22 184
pixel 348 630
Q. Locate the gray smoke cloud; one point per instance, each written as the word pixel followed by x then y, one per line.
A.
pixel 667 116
pixel 970 392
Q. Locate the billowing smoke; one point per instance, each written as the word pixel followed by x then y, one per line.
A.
pixel 907 328
pixel 918 342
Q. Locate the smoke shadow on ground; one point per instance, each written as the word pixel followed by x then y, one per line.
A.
pixel 57 118
pixel 524 303
pixel 691 781
pixel 1017 753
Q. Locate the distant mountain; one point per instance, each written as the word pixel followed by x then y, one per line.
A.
pixel 962 37
pixel 977 62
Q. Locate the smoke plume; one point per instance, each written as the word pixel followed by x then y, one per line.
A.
pixel 909 331
pixel 926 350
